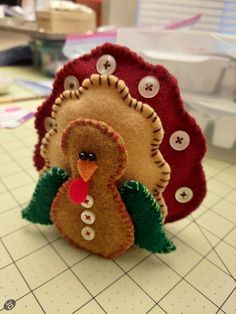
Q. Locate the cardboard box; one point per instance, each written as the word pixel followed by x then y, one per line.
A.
pixel 66 22
pixel 97 6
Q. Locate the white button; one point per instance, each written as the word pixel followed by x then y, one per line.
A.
pixel 49 123
pixel 179 140
pixel 88 203
pixel 88 233
pixel 183 195
pixel 88 217
pixel 148 87
pixel 106 64
pixel 71 83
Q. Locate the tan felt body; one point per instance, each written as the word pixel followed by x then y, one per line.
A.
pixel 106 98
pixel 113 232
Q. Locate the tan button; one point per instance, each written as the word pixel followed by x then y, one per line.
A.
pixel 88 203
pixel 106 64
pixel 148 86
pixel 179 140
pixel 71 83
pixel 88 217
pixel 183 195
pixel 49 123
pixel 88 233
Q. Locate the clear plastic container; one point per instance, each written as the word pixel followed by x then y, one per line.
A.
pixel 205 66
pixel 48 55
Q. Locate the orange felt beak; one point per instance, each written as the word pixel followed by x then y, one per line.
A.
pixel 86 168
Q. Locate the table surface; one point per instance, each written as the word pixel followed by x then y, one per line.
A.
pixel 20 73
pixel 44 274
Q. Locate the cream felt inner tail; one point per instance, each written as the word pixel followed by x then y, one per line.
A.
pixel 106 98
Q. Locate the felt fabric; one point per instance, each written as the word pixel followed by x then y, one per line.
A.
pixel 147 218
pixel 106 98
pixel 38 210
pixel 113 227
pixel 78 190
pixel 186 165
pixel 86 168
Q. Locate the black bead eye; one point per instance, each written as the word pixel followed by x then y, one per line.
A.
pixel 91 156
pixel 83 156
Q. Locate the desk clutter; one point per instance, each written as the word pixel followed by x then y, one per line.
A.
pixel 63 17
pixel 14 116
pixel 118 154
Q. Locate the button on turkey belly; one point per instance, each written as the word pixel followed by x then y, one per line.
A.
pixel 88 209
pixel 88 217
pixel 88 233
pixel 88 203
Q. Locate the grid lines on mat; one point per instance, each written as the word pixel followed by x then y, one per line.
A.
pixel 43 274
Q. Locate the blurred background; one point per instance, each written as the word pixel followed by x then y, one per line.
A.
pixel 194 39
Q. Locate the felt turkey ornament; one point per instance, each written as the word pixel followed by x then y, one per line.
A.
pixel 84 88
pixel 85 203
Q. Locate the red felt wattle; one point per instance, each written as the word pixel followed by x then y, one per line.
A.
pixel 186 168
pixel 78 191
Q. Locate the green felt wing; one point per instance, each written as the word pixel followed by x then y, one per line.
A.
pixel 38 210
pixel 147 218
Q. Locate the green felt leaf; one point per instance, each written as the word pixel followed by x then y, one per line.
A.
pixel 147 218
pixel 38 210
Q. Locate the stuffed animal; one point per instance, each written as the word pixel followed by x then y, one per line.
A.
pixel 104 132
pixel 183 145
